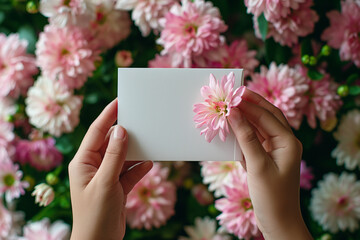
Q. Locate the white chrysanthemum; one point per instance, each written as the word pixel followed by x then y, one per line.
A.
pixel 218 174
pixel 335 204
pixel 347 151
pixel 7 108
pixel 204 229
pixel 52 108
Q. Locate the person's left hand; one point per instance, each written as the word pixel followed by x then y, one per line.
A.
pixel 100 179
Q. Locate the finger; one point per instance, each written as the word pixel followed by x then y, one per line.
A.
pixel 257 99
pixel 98 130
pixel 254 154
pixel 128 165
pixel 115 154
pixel 130 178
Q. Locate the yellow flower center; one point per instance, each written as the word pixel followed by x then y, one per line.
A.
pixel 9 180
pixel 246 204
pixel 191 29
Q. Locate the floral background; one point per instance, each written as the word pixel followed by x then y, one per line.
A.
pixel 58 69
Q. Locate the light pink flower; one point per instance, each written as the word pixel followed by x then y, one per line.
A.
pixel 10 180
pixel 344 29
pixel 191 29
pixel 152 200
pixel 7 137
pixel 146 13
pixel 123 58
pixel 5 222
pixel 16 66
pixel 287 30
pixel 70 12
pixel 66 54
pixel 202 195
pixel 171 60
pixel 110 26
pixel 306 176
pixel 237 213
pixel 284 87
pixel 45 230
pixel 237 55
pixel 39 153
pixel 44 194
pixel 7 108
pixel 52 108
pixel 219 98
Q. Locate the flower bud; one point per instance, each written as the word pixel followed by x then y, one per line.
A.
pixel 343 90
pixel 305 59
pixel 52 179
pixel 312 61
pixel 325 50
pixel 31 7
pixel 44 194
pixel 123 58
pixel 329 124
pixel 202 195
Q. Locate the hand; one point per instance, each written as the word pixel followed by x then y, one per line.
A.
pixel 272 156
pixel 100 179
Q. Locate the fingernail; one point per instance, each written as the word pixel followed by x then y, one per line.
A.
pixel 119 132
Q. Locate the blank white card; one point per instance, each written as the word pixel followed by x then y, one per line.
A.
pixel 155 105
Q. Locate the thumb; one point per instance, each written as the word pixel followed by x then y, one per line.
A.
pixel 115 154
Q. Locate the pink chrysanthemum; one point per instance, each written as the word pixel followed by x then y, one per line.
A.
pixel 39 153
pixel 237 213
pixel 237 55
pixel 212 114
pixel 344 29
pixel 191 29
pixel 16 66
pixel 52 108
pixel 110 26
pixel 6 138
pixel 306 176
pixel 45 230
pixel 284 87
pixel 5 222
pixel 66 54
pixel 70 12
pixel 287 30
pixel 152 200
pixel 163 61
pixel 146 13
pixel 10 180
pixel 218 174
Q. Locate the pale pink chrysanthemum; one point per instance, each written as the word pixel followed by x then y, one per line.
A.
pixel 110 25
pixel 237 213
pixel 219 98
pixel 218 174
pixel 284 87
pixel 16 66
pixel 191 29
pixel 7 137
pixel 171 60
pixel 287 30
pixel 10 222
pixel 344 29
pixel 306 176
pixel 5 222
pixel 52 108
pixel 204 229
pixel 237 55
pixel 146 13
pixel 335 203
pixel 45 230
pixel 67 54
pixel 272 9
pixel 151 202
pixel 44 194
pixel 38 153
pixel 347 152
pixel 10 180
pixel 68 13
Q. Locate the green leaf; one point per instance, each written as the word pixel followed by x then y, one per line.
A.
pixel 2 17
pixel 354 90
pixel 352 78
pixel 64 145
pixel 306 48
pixel 263 26
pixel 28 33
pixel 315 75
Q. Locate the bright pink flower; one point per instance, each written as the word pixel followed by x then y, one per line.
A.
pixel 146 13
pixel 344 29
pixel 66 54
pixel 306 176
pixel 7 137
pixel 70 12
pixel 212 114
pixel 123 58
pixel 52 108
pixel 39 153
pixel 287 30
pixel 237 55
pixel 46 231
pixel 191 29
pixel 10 180
pixel 284 87
pixel 110 26
pixel 16 66
pixel 237 213
pixel 151 202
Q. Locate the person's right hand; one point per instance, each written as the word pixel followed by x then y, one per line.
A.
pixel 272 156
